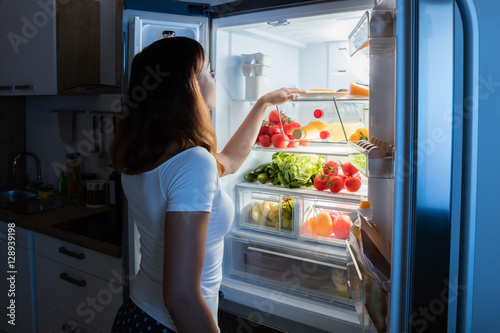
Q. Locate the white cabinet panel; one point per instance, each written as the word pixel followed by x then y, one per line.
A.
pixel 78 295
pixel 81 258
pixel 49 320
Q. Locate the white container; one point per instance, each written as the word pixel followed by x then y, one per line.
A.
pixel 260 58
pixel 256 86
pixel 261 70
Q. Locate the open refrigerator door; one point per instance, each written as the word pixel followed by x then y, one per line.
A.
pixel 286 255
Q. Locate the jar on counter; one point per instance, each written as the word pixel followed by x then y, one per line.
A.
pixel 97 193
pixel 85 178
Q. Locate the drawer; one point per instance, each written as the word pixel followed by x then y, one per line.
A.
pixel 79 257
pixel 77 295
pixel 310 270
pixel 267 212
pixel 327 221
pixel 50 320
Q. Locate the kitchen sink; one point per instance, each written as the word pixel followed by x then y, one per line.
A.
pixel 23 202
pixel 14 196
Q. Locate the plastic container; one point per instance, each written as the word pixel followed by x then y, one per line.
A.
pixel 256 86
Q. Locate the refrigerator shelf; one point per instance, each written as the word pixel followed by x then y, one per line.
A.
pixel 332 149
pixel 371 167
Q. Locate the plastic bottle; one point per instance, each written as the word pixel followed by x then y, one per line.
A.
pixel 349 112
pixel 365 209
pixel 310 132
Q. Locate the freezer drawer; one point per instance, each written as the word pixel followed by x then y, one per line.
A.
pixel 311 271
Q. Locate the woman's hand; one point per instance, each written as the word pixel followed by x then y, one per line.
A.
pixel 280 96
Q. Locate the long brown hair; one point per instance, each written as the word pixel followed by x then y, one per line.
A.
pixel 163 105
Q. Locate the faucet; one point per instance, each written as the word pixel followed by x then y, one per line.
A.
pixel 37 183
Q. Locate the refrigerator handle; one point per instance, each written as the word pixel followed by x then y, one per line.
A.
pixel 467 225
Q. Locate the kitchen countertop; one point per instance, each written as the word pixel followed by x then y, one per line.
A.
pixel 43 223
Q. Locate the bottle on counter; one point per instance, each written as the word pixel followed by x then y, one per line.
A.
pixel 115 188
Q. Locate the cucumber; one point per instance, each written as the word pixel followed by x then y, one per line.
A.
pixel 251 177
pixel 260 169
pixel 263 178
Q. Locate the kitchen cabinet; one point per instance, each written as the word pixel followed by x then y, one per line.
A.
pixel 45 53
pixel 76 287
pixel 18 281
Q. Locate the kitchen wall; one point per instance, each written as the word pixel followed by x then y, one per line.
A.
pixel 43 132
pixel 12 140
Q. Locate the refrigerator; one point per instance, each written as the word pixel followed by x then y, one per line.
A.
pixel 433 88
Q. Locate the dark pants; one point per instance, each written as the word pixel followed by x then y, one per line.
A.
pixel 131 319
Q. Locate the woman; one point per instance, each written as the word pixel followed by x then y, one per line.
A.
pixel 165 149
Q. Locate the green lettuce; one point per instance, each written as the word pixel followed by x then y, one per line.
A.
pixel 295 170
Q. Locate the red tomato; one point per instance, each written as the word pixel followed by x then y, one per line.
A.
pixel 341 226
pixel 274 129
pixel 335 183
pixel 292 144
pixel 263 130
pixel 274 116
pixel 320 182
pixel 348 169
pixel 331 167
pixel 288 127
pixel 278 141
pixel 343 177
pixel 352 184
pixel 264 140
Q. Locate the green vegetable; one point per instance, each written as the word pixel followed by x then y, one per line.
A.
pixel 260 169
pixel 296 170
pixel 263 178
pixel 251 177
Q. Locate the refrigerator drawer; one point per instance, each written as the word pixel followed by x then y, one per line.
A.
pixel 327 220
pixel 293 269
pixel 265 211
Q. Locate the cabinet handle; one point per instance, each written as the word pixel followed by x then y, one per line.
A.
pixel 25 87
pixel 79 256
pixel 65 277
pixel 6 87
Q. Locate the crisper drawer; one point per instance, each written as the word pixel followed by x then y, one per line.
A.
pixel 317 271
pixel 266 211
pixel 77 295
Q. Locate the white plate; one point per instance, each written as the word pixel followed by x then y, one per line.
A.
pixel 322 94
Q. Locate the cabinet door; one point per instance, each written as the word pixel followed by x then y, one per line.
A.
pixel 35 57
pixel 49 320
pixel 7 77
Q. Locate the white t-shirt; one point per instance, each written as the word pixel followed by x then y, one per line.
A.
pixel 189 181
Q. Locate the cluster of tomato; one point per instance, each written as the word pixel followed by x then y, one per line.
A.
pixel 270 133
pixel 331 179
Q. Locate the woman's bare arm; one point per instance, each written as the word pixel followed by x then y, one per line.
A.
pixel 239 146
pixel 184 254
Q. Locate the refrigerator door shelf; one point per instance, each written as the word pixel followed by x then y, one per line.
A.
pixel 375 29
pixel 380 167
pixel 370 296
pixel 291 268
